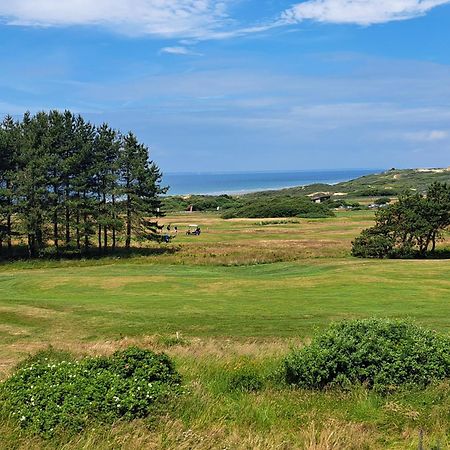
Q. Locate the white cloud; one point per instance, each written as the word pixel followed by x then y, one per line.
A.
pixel 164 18
pixel 199 19
pixel 362 12
pixel 178 50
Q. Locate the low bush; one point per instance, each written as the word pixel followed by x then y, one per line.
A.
pixel 373 243
pixel 382 354
pixel 382 201
pixel 49 394
pixel 267 206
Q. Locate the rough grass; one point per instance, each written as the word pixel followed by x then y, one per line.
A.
pixel 241 292
pixel 210 416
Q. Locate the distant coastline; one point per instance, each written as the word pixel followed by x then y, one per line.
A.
pixel 235 183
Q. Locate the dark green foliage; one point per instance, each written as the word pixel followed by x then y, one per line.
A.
pixel 382 201
pixel 382 354
pixel 375 192
pixel 410 227
pixel 278 207
pixel 63 181
pixel 51 394
pixel 373 243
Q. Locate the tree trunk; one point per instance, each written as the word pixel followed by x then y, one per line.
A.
pixel 9 219
pixel 105 227
pixel 99 237
pixel 67 212
pixel 114 222
pixel 9 231
pixel 55 219
pixel 128 239
pixel 55 230
pixel 67 225
pixel 85 224
pixel 78 229
pixel 31 246
pixel 39 237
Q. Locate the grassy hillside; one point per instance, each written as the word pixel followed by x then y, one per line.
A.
pixel 390 183
pixel 239 295
pixel 393 181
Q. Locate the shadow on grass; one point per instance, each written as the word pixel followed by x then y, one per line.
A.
pixel 20 253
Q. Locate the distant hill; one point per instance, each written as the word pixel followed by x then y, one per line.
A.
pixel 386 184
pixel 391 182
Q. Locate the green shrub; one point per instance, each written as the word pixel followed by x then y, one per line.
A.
pixel 382 201
pixel 382 354
pixel 49 394
pixel 245 379
pixel 373 243
pixel 278 206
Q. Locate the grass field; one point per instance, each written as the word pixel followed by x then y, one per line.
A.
pixel 241 293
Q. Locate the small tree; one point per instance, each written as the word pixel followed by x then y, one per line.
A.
pixel 408 227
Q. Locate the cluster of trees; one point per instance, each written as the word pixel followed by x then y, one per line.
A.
pixel 410 227
pixel 67 183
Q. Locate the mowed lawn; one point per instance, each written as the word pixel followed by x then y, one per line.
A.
pixel 54 305
pixel 216 286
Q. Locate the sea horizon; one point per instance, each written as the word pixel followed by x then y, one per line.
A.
pixel 244 182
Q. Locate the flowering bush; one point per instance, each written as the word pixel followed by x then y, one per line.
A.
pixel 47 394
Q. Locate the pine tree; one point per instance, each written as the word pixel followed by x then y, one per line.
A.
pixel 62 180
pixel 9 147
pixel 141 187
pixel 32 180
pixel 83 182
pixel 106 150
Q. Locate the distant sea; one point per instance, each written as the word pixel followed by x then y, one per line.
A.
pixel 244 182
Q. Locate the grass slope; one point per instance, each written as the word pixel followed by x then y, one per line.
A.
pixel 240 295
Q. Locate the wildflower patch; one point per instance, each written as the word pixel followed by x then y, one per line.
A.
pixel 47 394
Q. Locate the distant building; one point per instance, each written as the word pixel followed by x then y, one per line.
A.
pixel 320 197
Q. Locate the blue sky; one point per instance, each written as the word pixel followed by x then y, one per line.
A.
pixel 230 85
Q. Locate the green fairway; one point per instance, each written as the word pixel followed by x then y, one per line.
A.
pixel 271 300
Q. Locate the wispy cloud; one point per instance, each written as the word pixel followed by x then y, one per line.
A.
pixel 200 19
pixel 179 50
pixel 174 18
pixel 362 12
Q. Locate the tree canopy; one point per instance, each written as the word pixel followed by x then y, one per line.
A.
pixel 70 184
pixel 410 227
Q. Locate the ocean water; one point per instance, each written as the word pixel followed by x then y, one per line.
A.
pixel 244 182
